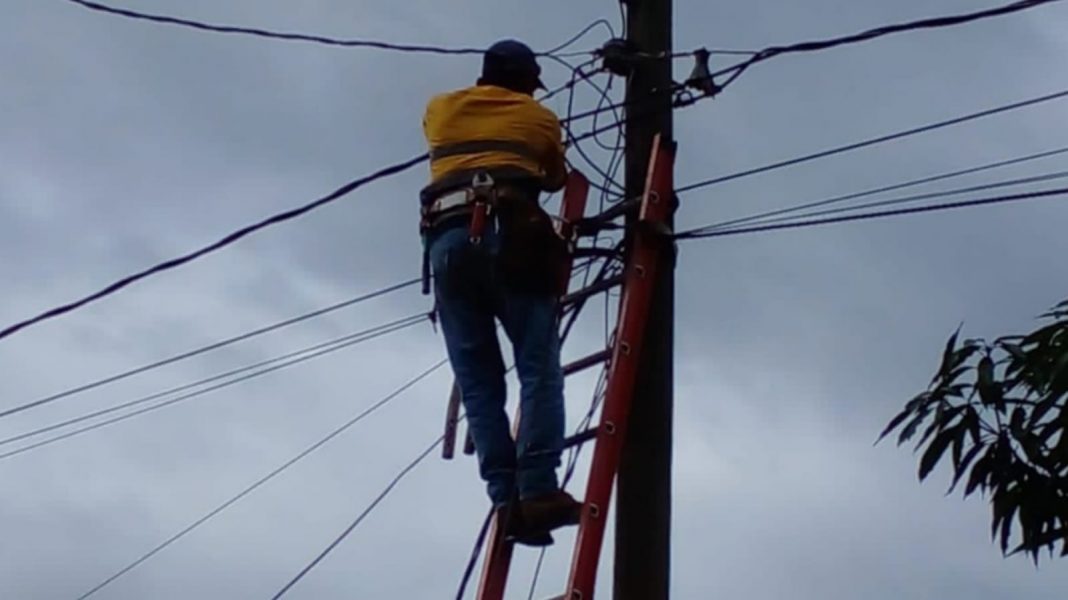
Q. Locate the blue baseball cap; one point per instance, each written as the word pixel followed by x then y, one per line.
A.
pixel 511 58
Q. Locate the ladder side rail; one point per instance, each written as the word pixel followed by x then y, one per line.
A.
pixel 633 317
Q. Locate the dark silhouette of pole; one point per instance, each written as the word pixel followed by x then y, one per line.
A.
pixel 643 505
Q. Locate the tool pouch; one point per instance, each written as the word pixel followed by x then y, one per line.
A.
pixel 531 254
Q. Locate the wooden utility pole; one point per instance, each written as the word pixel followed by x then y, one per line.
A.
pixel 643 515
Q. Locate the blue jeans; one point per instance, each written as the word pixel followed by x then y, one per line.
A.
pixel 469 297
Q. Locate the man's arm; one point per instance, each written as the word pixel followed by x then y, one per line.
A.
pixel 554 164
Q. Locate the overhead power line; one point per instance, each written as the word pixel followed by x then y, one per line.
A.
pixel 363 515
pixel 316 39
pixel 222 243
pixel 873 141
pixel 735 71
pixel 889 188
pixel 210 347
pixel 578 36
pixel 277 35
pixel 276 472
pixel 908 199
pixel 182 398
pixel 335 344
pixel 692 235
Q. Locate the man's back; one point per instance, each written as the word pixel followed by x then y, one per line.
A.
pixel 495 114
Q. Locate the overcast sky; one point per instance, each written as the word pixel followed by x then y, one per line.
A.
pixel 124 143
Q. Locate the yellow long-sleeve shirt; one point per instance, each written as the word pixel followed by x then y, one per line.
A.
pixel 495 114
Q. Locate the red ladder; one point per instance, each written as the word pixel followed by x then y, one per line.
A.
pixel 647 242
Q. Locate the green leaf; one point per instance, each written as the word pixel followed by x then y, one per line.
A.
pixel 1040 410
pixel 935 451
pixel 1016 424
pixel 974 424
pixel 960 432
pixel 910 429
pixel 898 420
pixel 1043 335
pixel 1014 350
pixel 989 391
pixel 947 354
pixel 980 472
pixel 961 466
pixel 943 418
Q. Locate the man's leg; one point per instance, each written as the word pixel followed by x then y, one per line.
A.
pixel 531 323
pixel 460 286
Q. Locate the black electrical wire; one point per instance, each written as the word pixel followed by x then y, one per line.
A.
pixel 278 471
pixel 874 141
pixel 203 391
pixel 736 71
pixel 537 574
pixel 578 75
pixel 210 347
pixel 277 35
pixel 615 161
pixel 889 188
pixel 605 100
pixel 578 36
pixel 906 199
pixel 356 337
pixel 318 39
pixel 875 214
pixel 359 519
pixel 222 243
pixel 473 559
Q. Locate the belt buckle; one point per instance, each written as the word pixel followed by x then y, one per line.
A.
pixel 448 201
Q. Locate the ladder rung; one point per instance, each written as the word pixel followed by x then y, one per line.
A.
pixel 597 288
pixel 591 252
pixel 591 225
pixel 452 422
pixel 580 438
pixel 585 363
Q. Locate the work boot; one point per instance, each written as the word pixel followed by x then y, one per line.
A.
pixel 516 530
pixel 550 511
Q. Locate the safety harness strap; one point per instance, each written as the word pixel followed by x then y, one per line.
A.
pixel 480 146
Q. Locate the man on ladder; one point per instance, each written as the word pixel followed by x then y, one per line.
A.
pixel 495 255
